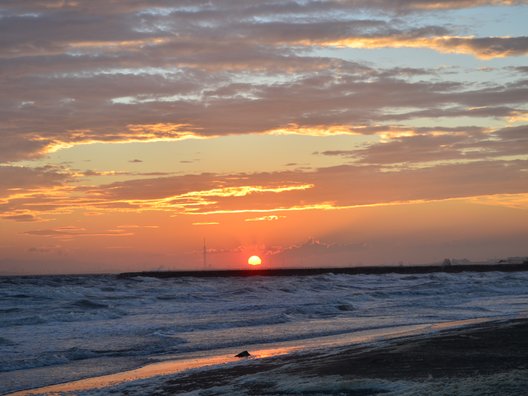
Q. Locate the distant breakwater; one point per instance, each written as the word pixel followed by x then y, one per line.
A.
pixel 377 270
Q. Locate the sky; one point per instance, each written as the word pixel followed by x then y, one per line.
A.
pixel 308 132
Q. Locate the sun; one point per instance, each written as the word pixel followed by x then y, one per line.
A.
pixel 254 260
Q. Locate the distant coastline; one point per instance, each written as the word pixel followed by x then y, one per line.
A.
pixel 375 270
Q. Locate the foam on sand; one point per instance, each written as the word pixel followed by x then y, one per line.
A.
pixel 227 359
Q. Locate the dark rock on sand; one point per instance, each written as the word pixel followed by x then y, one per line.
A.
pixel 243 354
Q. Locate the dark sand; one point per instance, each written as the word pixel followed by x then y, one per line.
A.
pixel 488 359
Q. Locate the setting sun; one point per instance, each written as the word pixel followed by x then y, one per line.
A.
pixel 254 260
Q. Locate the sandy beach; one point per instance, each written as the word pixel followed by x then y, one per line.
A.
pixel 488 358
pixel 485 359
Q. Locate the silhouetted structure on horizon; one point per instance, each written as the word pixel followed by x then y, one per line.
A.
pixel 419 269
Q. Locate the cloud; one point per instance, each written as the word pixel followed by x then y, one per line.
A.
pixel 265 218
pixel 326 104
pixel 73 232
pixel 330 188
pixel 129 226
pixel 481 47
pixel 21 217
pixel 385 172
pixel 316 252
pixel 91 173
pixel 521 69
pixel 203 9
pixel 135 161
pixel 47 250
pixel 433 146
pixel 15 179
pixel 76 73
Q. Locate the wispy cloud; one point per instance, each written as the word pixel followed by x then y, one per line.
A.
pixel 432 146
pixel 338 187
pixel 21 217
pixel 75 232
pixel 481 47
pixel 265 218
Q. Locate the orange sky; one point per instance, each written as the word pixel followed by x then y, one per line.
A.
pixel 343 133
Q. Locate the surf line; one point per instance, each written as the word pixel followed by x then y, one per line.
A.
pixel 177 366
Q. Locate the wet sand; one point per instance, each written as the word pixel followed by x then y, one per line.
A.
pixel 489 358
pixel 484 349
pixel 477 359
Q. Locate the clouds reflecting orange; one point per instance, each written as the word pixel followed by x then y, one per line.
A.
pixel 310 133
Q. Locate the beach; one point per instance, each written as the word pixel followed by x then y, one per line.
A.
pixel 487 358
pixel 323 334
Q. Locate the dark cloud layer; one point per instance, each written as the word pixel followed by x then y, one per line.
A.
pixel 77 72
pixel 13 178
pixel 445 145
pixel 80 72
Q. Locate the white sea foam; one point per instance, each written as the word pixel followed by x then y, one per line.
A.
pixel 51 322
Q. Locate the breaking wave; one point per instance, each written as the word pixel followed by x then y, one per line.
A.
pixel 57 321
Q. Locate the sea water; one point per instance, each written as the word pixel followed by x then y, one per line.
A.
pixel 61 328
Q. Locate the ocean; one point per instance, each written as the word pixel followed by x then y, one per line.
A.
pixel 55 329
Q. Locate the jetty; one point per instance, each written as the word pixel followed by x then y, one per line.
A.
pixel 366 270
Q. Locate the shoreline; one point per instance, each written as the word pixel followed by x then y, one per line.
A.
pixel 364 355
pixel 374 270
pixel 485 358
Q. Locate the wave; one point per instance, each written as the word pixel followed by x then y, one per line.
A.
pixel 5 341
pixel 61 357
pixel 22 321
pixel 9 310
pixel 88 304
pixel 104 317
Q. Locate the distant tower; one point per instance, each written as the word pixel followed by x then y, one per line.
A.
pixel 446 263
pixel 204 255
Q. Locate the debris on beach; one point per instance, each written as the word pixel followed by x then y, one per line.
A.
pixel 243 354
